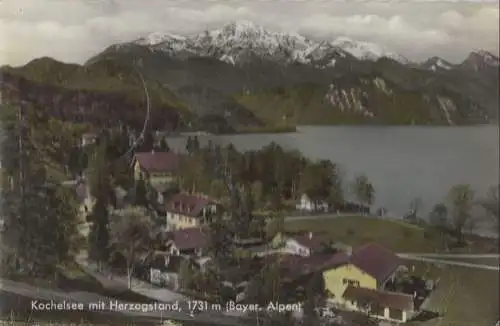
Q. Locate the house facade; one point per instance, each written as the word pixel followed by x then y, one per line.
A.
pixel 306 204
pixel 88 138
pixel 164 271
pixel 187 211
pixel 386 305
pixel 155 167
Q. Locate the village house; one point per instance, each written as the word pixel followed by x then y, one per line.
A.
pixel 302 244
pixel 187 210
pixel 88 138
pixel 164 271
pixel 309 205
pixel 188 242
pixel 155 167
pixel 358 281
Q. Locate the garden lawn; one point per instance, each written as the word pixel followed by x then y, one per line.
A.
pixel 463 296
pixel 357 230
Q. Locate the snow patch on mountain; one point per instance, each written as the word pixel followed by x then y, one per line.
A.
pixel 441 64
pixel 367 50
pixel 237 41
pixel 489 58
pixel 157 38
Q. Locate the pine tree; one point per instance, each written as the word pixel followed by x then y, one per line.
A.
pixel 41 226
pixel 189 145
pixel 100 189
pixel 141 193
pixel 195 144
pixel 164 145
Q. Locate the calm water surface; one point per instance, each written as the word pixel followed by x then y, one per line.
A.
pixel 402 162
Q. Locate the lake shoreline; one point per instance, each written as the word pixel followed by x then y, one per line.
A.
pixel 269 130
pixel 401 162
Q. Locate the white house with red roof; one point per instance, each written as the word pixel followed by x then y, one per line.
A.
pixel 303 244
pixel 189 210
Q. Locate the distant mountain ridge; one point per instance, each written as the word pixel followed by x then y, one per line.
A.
pixel 243 75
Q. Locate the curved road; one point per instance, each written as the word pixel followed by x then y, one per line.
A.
pixel 462 256
pixel 448 262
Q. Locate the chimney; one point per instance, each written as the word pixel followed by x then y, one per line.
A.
pixel 348 251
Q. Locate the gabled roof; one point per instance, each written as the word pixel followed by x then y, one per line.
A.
pixel 309 241
pixel 394 300
pixel 158 161
pixel 186 204
pixel 375 260
pixel 295 267
pixel 190 238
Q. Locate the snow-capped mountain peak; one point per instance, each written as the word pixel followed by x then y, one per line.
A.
pixel 238 41
pixel 157 37
pixel 437 63
pixel 367 50
pixel 488 57
pixel 479 60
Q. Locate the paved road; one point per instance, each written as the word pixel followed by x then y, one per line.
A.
pixel 448 262
pixel 453 256
pixel 325 216
pixel 113 281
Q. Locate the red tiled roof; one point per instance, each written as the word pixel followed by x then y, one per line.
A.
pixel 297 266
pixel 305 240
pixel 190 238
pixel 387 299
pixel 158 161
pixel 375 260
pixel 185 204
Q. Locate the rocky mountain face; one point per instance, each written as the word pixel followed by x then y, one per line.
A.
pixel 243 75
pixel 437 64
pixel 480 61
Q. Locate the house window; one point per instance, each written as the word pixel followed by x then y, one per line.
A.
pixel 396 314
pixel 349 282
pixel 378 310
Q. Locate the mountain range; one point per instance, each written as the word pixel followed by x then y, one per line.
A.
pixel 245 77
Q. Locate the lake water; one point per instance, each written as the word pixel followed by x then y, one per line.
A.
pixel 401 162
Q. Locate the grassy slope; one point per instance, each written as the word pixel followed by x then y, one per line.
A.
pixel 398 236
pixel 464 296
pixel 306 104
pixel 302 104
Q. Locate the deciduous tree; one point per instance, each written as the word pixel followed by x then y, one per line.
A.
pixel 131 235
pixel 491 204
pixel 461 200
pixel 364 190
